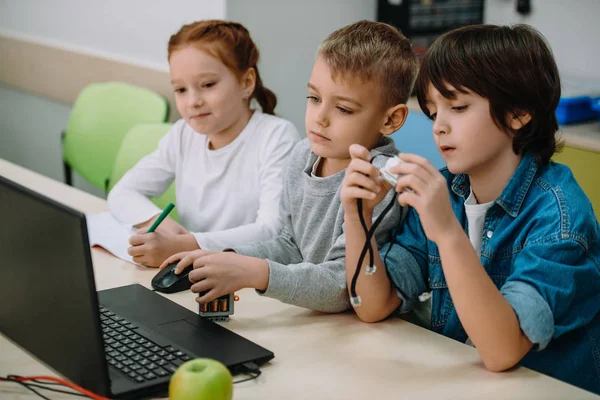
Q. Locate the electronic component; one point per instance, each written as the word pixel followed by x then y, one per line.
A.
pixel 385 170
pixel 219 309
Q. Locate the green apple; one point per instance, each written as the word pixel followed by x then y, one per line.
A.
pixel 201 379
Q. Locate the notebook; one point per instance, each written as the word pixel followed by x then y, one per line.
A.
pixel 105 231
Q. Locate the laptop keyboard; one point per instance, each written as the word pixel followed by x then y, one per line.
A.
pixel 136 355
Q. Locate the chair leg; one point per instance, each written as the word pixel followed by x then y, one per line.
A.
pixel 68 173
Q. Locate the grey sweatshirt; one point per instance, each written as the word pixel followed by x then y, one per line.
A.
pixel 307 262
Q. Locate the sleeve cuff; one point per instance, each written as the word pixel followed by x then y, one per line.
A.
pixel 534 313
pixel 206 243
pixel 203 242
pixel 405 274
pixel 407 303
pixel 143 215
pixel 251 250
pixel 280 287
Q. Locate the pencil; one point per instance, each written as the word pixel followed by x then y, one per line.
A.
pixel 160 218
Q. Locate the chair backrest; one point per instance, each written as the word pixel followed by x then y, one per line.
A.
pixel 102 114
pixel 140 141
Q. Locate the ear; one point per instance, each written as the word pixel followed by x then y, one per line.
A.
pixel 248 81
pixel 394 119
pixel 518 119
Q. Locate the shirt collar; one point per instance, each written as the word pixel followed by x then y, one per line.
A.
pixel 514 193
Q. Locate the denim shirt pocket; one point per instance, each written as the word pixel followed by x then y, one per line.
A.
pixel 441 303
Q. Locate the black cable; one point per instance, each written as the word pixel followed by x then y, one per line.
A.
pixel 369 235
pixel 367 242
pixel 250 368
pixel 253 376
pixel 26 386
pixel 365 230
pixel 41 386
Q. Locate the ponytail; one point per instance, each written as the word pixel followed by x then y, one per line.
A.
pixel 265 97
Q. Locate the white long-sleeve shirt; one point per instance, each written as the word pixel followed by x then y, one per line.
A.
pixel 226 197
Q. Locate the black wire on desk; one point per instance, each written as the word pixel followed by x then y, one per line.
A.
pixel 25 385
pixel 251 369
pixel 251 377
pixel 40 385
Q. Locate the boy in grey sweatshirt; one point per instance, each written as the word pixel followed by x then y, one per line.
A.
pixel 357 94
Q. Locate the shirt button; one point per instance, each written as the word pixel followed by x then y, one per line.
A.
pixel 489 234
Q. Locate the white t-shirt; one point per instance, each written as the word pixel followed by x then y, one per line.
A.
pixel 313 171
pixel 227 197
pixel 476 218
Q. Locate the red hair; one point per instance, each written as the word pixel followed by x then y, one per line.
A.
pixel 231 43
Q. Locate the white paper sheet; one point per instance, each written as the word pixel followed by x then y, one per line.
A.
pixel 106 231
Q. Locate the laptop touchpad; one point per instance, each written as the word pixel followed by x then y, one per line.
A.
pixel 206 340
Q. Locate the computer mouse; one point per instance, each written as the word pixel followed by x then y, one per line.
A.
pixel 167 281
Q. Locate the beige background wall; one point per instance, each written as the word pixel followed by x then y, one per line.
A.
pixel 60 74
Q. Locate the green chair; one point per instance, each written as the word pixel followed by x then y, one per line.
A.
pixel 141 140
pixel 102 114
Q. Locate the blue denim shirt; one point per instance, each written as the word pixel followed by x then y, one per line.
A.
pixel 541 248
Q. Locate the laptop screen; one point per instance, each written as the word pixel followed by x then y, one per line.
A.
pixel 48 300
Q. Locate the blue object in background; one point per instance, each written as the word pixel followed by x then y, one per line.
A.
pixel 572 110
pixel 596 106
pixel 416 136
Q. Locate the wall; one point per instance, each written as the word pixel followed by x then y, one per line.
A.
pixel 135 31
pixel 571 28
pixel 288 34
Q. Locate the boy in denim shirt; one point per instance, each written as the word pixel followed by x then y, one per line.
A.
pixel 504 239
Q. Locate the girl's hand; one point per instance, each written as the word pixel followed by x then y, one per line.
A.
pixel 428 195
pixel 362 181
pixel 218 274
pixel 151 249
pixel 168 225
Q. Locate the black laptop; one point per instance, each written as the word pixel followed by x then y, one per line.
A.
pixel 123 342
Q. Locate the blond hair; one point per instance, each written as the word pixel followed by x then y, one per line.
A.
pixel 373 51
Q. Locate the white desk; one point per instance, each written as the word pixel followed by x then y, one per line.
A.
pixel 317 356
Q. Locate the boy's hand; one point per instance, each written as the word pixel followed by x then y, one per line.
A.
pixel 428 195
pixel 185 258
pixel 222 273
pixel 151 249
pixel 168 225
pixel 362 181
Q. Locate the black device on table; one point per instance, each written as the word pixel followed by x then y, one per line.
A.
pixel 167 281
pixel 122 342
